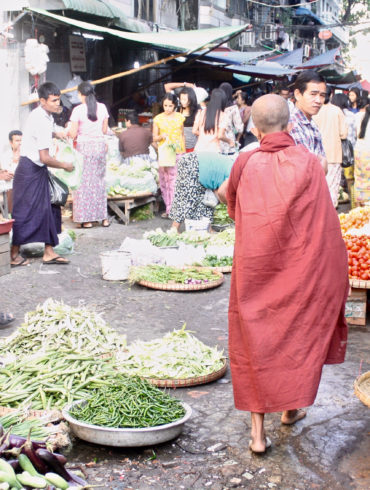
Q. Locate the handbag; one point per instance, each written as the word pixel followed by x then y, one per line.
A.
pixel 58 190
pixel 348 158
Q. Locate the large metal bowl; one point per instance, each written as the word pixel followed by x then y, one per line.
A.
pixel 108 436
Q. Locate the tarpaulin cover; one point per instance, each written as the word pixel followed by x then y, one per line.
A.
pixel 292 58
pixel 182 41
pixel 328 58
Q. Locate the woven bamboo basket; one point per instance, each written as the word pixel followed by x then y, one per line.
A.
pixel 362 388
pixel 359 284
pixel 185 287
pixel 182 383
pixel 226 269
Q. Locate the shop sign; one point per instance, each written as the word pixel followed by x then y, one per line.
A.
pixel 325 34
pixel 10 5
pixel 77 54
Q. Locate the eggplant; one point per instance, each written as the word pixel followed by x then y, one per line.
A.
pixel 53 462
pixel 36 461
pixel 76 479
pixel 14 463
pixel 1 430
pixel 62 459
pixel 19 441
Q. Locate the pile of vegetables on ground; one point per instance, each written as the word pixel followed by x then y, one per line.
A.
pixel 164 274
pixel 57 356
pixel 63 354
pixel 215 261
pixel 28 463
pixel 177 355
pixel 130 402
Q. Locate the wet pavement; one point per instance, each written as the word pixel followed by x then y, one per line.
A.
pixel 329 449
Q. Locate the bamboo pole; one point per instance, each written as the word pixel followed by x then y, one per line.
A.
pixel 187 63
pixel 144 67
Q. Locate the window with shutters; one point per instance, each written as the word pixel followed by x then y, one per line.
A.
pixel 145 9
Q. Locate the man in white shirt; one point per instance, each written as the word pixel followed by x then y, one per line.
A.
pixel 36 219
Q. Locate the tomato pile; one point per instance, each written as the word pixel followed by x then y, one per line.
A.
pixel 356 218
pixel 358 256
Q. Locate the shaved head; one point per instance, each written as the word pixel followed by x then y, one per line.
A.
pixel 270 113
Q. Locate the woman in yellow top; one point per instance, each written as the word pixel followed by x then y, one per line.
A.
pixel 168 132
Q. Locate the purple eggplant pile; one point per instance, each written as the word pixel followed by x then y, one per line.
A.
pixel 29 464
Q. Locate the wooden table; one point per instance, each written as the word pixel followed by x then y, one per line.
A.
pixel 128 203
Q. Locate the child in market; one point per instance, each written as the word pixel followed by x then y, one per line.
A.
pixel 168 132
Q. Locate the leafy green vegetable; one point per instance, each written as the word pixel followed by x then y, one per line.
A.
pixel 221 216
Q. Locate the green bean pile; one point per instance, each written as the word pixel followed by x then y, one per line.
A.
pixel 52 379
pixel 129 403
pixel 177 355
pixel 165 274
pixel 55 325
pixel 22 427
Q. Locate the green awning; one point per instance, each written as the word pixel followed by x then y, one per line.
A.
pixel 180 41
pixel 100 8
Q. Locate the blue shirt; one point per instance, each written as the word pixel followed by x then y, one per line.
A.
pixel 214 169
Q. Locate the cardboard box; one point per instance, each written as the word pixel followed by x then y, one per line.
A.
pixel 356 307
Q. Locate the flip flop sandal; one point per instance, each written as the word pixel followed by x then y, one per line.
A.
pixel 301 414
pixel 106 224
pixel 268 444
pixel 22 263
pixel 56 260
pixel 6 318
pixel 86 225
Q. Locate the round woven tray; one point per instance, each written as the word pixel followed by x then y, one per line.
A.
pixel 182 383
pixel 185 287
pixel 226 269
pixel 362 388
pixel 359 284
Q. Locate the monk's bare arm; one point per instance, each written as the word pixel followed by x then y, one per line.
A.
pixel 231 193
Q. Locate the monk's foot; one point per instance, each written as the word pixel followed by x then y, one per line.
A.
pixel 290 417
pixel 258 445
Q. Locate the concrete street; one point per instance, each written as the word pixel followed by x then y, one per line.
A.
pixel 329 449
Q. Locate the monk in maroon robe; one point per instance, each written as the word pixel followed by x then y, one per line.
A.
pixel 290 275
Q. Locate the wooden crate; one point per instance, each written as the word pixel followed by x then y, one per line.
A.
pixel 4 254
pixel 356 307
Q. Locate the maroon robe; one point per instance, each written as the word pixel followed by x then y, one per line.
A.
pixel 290 277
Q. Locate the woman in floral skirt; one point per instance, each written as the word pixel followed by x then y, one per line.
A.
pixel 89 123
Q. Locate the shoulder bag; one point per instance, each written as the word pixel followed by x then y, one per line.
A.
pixel 348 158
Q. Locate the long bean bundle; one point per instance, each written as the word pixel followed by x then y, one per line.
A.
pixel 130 402
pixel 177 355
pixel 55 325
pixel 52 379
pixel 165 274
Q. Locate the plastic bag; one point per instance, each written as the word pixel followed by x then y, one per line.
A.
pixel 58 190
pixel 65 245
pixel 64 152
pixel 348 158
pixel 166 155
pixel 210 199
